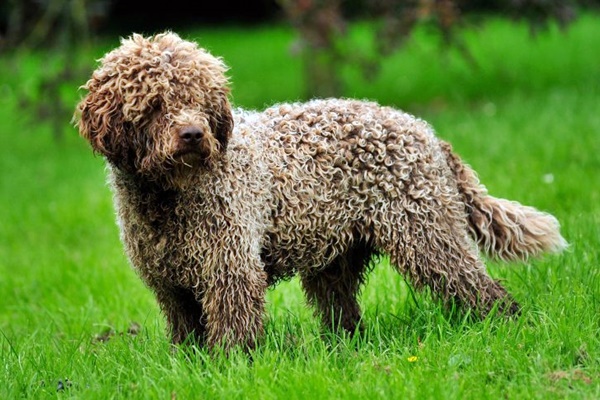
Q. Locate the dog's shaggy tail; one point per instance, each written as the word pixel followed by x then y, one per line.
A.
pixel 504 229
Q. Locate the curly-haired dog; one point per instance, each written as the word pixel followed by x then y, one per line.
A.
pixel 215 205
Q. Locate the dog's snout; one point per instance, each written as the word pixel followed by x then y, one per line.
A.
pixel 191 135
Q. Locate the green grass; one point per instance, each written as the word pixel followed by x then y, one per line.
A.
pixel 527 119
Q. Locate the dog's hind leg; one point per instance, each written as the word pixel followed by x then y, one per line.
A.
pixel 334 289
pixel 433 249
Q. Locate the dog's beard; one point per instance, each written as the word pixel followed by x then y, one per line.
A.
pixel 184 172
pixel 191 159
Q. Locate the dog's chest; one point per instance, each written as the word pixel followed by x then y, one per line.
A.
pixel 162 234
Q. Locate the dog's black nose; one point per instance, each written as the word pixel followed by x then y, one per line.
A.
pixel 191 135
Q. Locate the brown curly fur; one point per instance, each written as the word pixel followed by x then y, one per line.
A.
pixel 215 205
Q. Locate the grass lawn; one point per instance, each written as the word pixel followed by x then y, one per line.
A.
pixel 75 321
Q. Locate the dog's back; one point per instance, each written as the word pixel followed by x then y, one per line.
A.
pixel 340 167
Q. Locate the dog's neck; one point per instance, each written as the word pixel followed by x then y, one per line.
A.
pixel 176 180
pixel 147 191
pixel 148 198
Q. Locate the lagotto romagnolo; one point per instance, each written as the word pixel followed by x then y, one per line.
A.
pixel 215 204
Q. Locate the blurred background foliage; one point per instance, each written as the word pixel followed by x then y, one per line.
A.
pixel 39 23
pixel 322 40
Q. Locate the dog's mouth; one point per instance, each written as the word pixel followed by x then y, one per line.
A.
pixel 191 157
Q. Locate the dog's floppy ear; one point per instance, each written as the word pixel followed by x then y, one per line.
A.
pixel 221 121
pixel 99 117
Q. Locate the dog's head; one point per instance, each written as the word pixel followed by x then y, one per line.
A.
pixel 157 104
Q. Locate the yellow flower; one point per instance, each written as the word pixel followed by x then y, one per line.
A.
pixel 412 359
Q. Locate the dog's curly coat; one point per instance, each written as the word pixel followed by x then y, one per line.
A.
pixel 215 205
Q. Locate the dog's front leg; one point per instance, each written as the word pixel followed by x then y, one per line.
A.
pixel 234 300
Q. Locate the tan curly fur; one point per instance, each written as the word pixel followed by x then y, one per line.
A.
pixel 215 204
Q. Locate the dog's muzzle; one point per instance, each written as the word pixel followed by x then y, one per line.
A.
pixel 193 145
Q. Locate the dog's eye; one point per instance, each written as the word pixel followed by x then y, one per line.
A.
pixel 156 104
pixel 127 126
pixel 155 110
